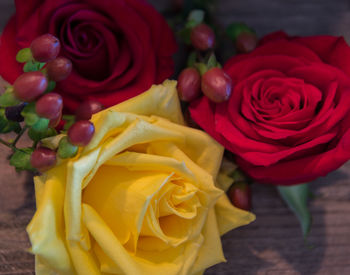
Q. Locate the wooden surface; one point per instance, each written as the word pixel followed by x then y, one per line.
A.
pixel 273 243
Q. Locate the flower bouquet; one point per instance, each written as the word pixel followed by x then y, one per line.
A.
pixel 135 173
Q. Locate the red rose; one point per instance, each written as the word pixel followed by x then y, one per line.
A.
pixel 119 48
pixel 287 120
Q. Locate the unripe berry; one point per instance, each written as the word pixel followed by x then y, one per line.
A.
pixel 66 149
pixel 216 85
pixel 188 84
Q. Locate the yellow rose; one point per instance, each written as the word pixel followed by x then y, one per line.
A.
pixel 139 199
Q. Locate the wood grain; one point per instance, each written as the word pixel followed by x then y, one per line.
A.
pixel 273 243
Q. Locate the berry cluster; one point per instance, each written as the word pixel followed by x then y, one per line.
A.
pixel 29 104
pixel 204 74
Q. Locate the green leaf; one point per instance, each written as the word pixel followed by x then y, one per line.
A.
pixel 66 149
pixel 296 197
pixel 33 66
pixel 212 62
pixel 69 121
pixel 195 18
pixel 36 135
pixel 8 98
pixel 235 29
pixel 41 125
pixel 191 59
pixel 30 67
pixel 6 125
pixel 24 55
pixel 29 114
pixel 201 67
pixel 21 159
pixel 40 65
pixel 52 142
pixel 185 35
pixel 51 86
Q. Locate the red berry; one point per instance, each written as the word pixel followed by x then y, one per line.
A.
pixel 216 85
pixel 49 105
pixel 202 37
pixel 81 132
pixel 189 84
pixel 240 195
pixel 246 42
pixel 43 159
pixel 54 122
pixel 59 68
pixel 87 109
pixel 29 86
pixel 45 48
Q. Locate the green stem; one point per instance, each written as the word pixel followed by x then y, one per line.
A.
pixel 7 144
pixel 35 143
pixel 19 136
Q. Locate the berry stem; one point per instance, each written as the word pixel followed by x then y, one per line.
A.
pixel 7 144
pixel 20 134
pixel 35 143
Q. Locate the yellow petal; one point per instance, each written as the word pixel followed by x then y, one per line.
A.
pixel 78 169
pixel 41 268
pixel 211 250
pixel 39 185
pixel 224 181
pixel 198 145
pixel 83 260
pixel 122 198
pixel 146 162
pixel 46 230
pixel 160 100
pixel 230 217
pixel 108 242
pixel 138 132
pixel 203 178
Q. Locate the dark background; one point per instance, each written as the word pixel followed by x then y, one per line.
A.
pixel 273 243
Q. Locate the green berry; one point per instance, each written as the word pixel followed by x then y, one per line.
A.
pixel 66 149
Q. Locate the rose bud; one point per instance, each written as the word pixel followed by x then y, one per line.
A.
pixel 240 195
pixel 216 85
pixel 246 42
pixel 189 84
pixel 202 37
